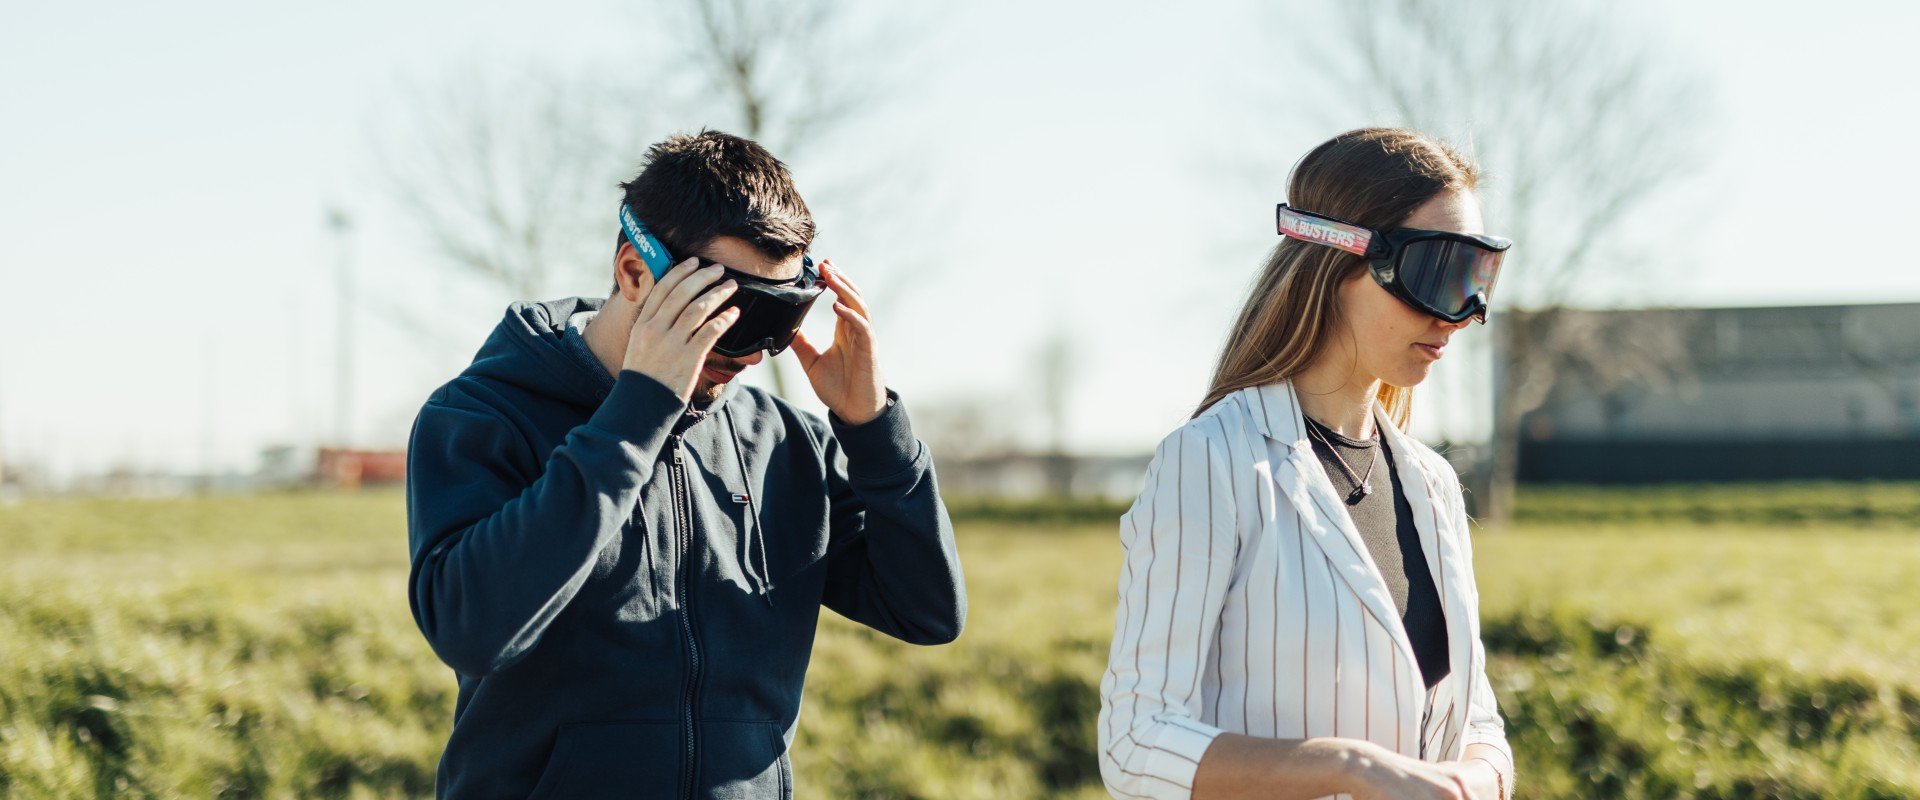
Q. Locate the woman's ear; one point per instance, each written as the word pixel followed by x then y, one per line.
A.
pixel 631 276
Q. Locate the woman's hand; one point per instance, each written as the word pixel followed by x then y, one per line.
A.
pixel 1382 774
pixel 1479 778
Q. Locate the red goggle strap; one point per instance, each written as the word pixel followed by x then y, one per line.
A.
pixel 1307 228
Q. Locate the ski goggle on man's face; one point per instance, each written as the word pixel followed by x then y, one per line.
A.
pixel 771 309
pixel 1445 274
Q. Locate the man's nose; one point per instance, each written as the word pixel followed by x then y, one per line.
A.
pixel 748 361
pixel 1454 326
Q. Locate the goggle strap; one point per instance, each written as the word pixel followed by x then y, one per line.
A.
pixel 650 249
pixel 1339 235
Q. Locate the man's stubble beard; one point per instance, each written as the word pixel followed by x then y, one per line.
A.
pixel 706 391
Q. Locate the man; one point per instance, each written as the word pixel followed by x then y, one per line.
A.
pixel 620 551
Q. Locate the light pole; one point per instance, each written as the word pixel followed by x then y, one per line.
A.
pixel 341 227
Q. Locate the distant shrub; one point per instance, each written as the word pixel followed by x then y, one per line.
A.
pixel 1060 511
pixel 1589 717
pixel 1853 504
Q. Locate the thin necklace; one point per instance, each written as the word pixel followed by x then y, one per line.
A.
pixel 1365 482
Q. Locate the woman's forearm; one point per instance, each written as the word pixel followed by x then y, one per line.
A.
pixel 1237 766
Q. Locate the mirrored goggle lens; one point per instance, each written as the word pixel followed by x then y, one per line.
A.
pixel 1449 275
pixel 768 319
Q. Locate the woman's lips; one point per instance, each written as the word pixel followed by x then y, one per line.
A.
pixel 1430 351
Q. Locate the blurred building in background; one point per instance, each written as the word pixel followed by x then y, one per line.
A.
pixel 1033 475
pixel 1769 393
pixel 342 468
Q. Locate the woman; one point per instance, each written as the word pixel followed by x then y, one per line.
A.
pixel 1297 609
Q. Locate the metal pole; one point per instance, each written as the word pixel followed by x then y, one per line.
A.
pixel 342 227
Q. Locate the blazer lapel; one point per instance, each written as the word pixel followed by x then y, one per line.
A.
pixel 1441 543
pixel 1323 516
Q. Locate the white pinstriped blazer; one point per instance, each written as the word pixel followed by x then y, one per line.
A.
pixel 1248 603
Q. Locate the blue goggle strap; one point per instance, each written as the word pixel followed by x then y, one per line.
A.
pixel 644 243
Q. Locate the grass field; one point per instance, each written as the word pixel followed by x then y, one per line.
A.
pixel 261 647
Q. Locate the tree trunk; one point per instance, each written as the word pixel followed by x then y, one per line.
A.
pixel 775 367
pixel 1503 469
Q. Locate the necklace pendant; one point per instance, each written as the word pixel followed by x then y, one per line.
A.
pixel 1359 492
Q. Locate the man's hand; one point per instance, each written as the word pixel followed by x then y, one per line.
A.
pixel 672 333
pixel 845 376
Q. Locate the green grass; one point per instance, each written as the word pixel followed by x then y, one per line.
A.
pixel 261 647
pixel 1833 504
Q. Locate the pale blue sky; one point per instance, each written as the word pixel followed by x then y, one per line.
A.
pixel 164 169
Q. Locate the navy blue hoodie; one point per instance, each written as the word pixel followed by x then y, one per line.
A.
pixel 627 589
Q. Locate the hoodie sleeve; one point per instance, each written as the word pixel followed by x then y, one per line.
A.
pixel 496 558
pixel 893 565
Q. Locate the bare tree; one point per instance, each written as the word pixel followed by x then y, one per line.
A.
pixel 783 73
pixel 1583 125
pixel 1055 363
pixel 510 177
pixel 779 68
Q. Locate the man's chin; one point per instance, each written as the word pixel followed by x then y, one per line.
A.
pixel 706 391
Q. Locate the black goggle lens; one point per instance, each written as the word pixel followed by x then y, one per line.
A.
pixel 770 312
pixel 1450 276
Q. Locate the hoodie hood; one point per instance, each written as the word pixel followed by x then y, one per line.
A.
pixel 528 350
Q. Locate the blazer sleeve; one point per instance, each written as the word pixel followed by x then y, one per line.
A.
pixel 1484 723
pixel 1180 540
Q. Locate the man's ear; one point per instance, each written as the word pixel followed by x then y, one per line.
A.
pixel 631 277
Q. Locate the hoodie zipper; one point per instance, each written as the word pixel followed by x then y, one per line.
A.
pixel 682 531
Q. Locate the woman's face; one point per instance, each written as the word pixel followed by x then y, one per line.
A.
pixel 1395 342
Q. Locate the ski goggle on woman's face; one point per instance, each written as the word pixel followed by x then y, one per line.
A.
pixel 1442 273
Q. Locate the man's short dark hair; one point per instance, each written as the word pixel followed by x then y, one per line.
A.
pixel 694 188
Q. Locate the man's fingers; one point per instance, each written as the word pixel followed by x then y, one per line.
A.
pixel 860 323
pixel 709 331
pixel 849 294
pixel 827 266
pixel 853 329
pixel 650 305
pixel 703 306
pixel 667 314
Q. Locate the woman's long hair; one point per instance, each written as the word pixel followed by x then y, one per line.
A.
pixel 1375 177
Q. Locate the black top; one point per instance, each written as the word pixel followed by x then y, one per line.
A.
pixel 1385 522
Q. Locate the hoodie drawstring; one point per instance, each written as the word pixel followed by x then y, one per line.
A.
pixel 759 574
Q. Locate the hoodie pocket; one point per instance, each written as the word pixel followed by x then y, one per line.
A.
pixel 612 759
pixel 744 760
